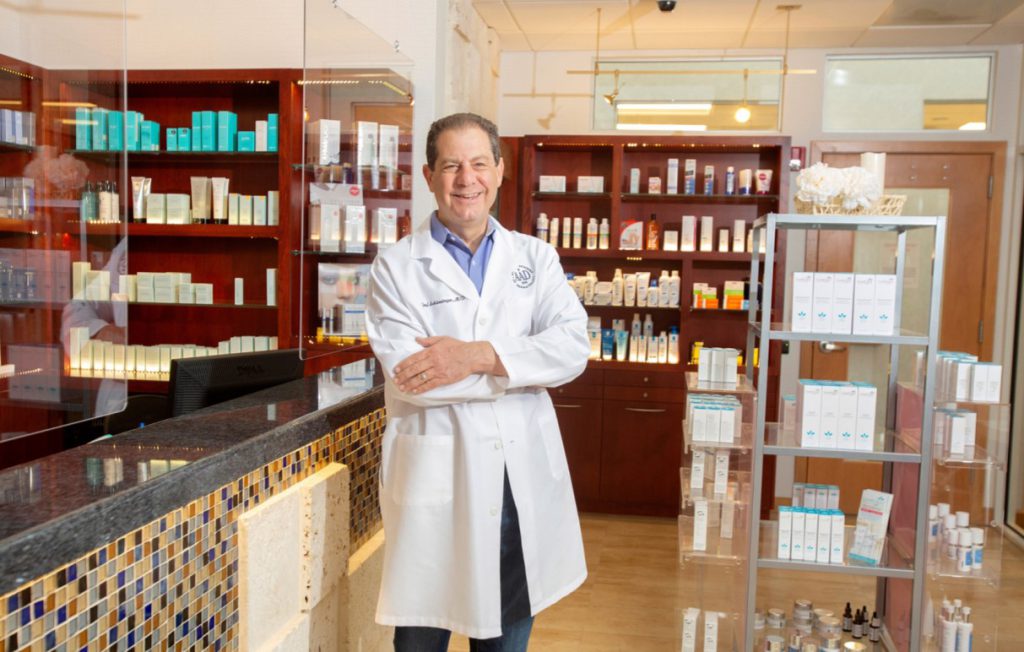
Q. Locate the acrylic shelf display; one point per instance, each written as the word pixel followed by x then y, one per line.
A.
pixel 900 575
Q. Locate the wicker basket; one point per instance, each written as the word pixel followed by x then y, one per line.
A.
pixel 887 205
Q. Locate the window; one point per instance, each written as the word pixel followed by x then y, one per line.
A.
pixel 691 95
pixel 921 93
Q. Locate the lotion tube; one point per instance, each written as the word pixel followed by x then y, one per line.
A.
pixel 200 200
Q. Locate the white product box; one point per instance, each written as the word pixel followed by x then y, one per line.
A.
pixel 838 537
pixel 727 426
pixel 867 396
pixel 233 208
pixel 846 433
pixel 803 302
pixel 261 343
pixel 327 139
pixel 829 414
pixel 710 631
pixel 962 370
pixel 235 344
pixel 589 184
pixel 203 293
pixel 993 381
pixel 165 358
pixel 552 183
pixel 821 311
pixel 809 409
pixel 245 210
pixel 971 438
pixel 634 180
pixel 810 535
pixel 248 344
pixel 833 497
pixel 713 423
pixel 864 304
pixel 739 236
pixel 957 434
pixel 690 617
pixel 820 496
pixel 729 364
pixel 239 291
pixel 698 424
pixel 796 544
pixel 707 233
pixel 697 470
pixel 330 227
pixel 885 304
pixel 223 347
pixel 175 352
pixel 824 538
pixel 717 365
pixel 185 293
pixel 721 472
pixel 271 286
pixel 727 526
pixel 798 494
pixel 152 359
pixel 672 178
pixel 259 210
pixel 700 525
pixel 785 532
pixel 842 303
pixel 688 233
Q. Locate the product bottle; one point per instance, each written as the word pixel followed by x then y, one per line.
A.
pixel 635 327
pixel 964 554
pixel 848 618
pixel 673 289
pixel 542 226
pixel 87 205
pixel 592 234
pixel 553 232
pixel 629 290
pixel 858 625
pixel 653 234
pixel 933 524
pixel 648 326
pixel 105 201
pixel 566 232
pixel 875 628
pixel 663 347
pixel 730 181
pixel 617 288
pixel 603 234
pixel 673 345
pixel 577 233
pixel 663 289
pixel 652 349
pixel 115 215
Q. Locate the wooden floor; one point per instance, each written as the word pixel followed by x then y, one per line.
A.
pixel 636 592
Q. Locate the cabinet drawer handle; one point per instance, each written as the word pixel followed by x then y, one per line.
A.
pixel 567 405
pixel 648 410
pixel 646 379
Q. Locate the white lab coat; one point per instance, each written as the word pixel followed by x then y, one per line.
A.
pixel 443 452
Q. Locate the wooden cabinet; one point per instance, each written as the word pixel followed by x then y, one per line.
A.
pixel 580 420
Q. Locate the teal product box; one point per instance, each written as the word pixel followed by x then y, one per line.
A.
pixel 133 130
pixel 209 132
pixel 272 132
pixel 115 131
pixel 99 129
pixel 172 139
pixel 247 141
pixel 184 139
pixel 197 130
pixel 227 131
pixel 150 136
pixel 83 128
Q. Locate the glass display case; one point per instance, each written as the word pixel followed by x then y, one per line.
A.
pixel 64 354
pixel 351 180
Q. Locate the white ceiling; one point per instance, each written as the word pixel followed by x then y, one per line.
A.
pixel 735 24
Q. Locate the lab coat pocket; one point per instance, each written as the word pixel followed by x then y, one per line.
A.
pixel 422 470
pixel 552 439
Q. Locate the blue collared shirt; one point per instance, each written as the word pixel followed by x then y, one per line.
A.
pixel 475 265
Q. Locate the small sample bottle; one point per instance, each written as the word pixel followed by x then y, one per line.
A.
pixel 542 226
pixel 933 523
pixel 648 326
pixel 875 628
pixel 977 547
pixel 603 234
pixel 673 345
pixel 964 550
pixel 566 232
pixel 592 233
pixel 617 283
pixel 730 181
pixel 848 618
pixel 653 234
pixel 553 232
pixel 663 289
pixel 577 233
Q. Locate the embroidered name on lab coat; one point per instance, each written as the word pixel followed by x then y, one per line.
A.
pixel 435 302
pixel 523 276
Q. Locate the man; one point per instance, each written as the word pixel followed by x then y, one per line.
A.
pixel 471 322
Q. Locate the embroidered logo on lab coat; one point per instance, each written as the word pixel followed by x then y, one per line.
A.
pixel 523 276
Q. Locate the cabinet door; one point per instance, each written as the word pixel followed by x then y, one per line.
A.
pixel 640 455
pixel 580 423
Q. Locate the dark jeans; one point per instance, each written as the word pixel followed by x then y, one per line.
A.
pixel 516 621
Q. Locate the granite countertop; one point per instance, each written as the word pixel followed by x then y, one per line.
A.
pixel 59 507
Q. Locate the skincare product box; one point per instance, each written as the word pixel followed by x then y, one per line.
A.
pixel 808 406
pixel 271 286
pixel 83 130
pixel 227 130
pixel 239 291
pixel 246 141
pixel 672 178
pixel 885 304
pixel 707 233
pixel 590 184
pixel 842 303
pixel 271 132
pixel 829 414
pixel 172 139
pixel 259 210
pixel 631 236
pixel 634 180
pixel 821 312
pixel 864 304
pixel 785 532
pixel 552 183
pixel 115 131
pixel 867 396
pixel 872 523
pixel 208 131
pixel 184 139
pixel 197 131
pixel 688 233
pixel 367 151
pixel 709 179
pixel 261 135
pixel 156 208
pixel 654 185
pixel 690 177
pixel 326 136
pixel 846 432
pixel 202 293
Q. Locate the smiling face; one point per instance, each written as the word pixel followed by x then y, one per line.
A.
pixel 465 181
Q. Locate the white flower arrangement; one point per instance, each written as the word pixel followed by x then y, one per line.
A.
pixel 854 187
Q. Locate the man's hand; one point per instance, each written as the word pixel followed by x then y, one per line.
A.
pixel 443 361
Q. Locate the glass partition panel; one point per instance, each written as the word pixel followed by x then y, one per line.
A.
pixel 693 95
pixel 353 174
pixel 63 248
pixel 919 93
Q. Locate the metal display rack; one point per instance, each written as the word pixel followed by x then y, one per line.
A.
pixel 897 564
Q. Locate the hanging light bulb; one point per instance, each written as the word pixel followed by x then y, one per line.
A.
pixel 742 114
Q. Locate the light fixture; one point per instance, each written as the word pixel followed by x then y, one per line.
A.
pixel 647 126
pixel 694 108
pixel 973 126
pixel 742 114
pixel 610 97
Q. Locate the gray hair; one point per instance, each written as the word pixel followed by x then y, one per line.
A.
pixel 461 121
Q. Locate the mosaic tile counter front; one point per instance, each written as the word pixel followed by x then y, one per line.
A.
pixel 172 583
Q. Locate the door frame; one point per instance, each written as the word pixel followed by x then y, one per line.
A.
pixel 994 148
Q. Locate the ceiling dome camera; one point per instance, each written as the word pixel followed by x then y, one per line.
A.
pixel 666 5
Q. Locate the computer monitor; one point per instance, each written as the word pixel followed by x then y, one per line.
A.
pixel 200 382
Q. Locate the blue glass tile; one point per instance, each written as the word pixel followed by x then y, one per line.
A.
pixel 163 586
pixel 206 516
pixel 177 619
pixel 184 628
pixel 12 603
pixel 230 503
pixel 185 557
pixel 148 611
pixel 62 614
pixel 112 636
pixel 72 573
pixel 131 638
pixel 266 484
pixel 163 525
pixel 138 552
pixel 38 609
pixel 120 579
pixel 84 649
pixel 223 547
pixel 156 559
pixel 210 624
pixel 177 531
pixel 138 586
pixel 216 646
pixel 51 640
pixel 224 493
pixel 103 555
pixel 121 614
